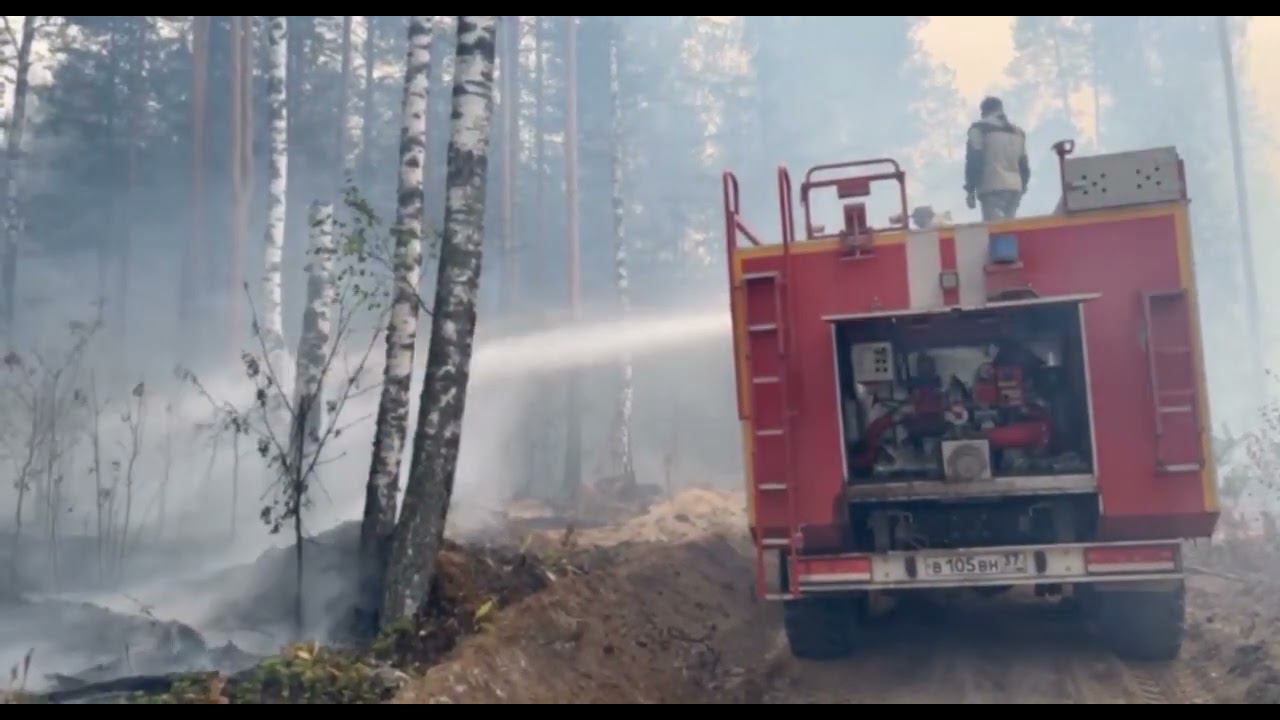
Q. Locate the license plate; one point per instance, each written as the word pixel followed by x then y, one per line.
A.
pixel 995 564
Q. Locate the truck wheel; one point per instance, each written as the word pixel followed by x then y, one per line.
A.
pixel 820 629
pixel 1143 625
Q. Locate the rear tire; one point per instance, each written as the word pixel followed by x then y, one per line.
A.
pixel 820 629
pixel 1145 626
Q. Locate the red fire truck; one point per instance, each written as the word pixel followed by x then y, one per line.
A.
pixel 990 405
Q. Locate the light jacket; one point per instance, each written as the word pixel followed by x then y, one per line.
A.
pixel 996 156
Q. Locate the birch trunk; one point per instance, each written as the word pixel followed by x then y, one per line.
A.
pixel 402 329
pixel 13 158
pixel 366 124
pixel 277 188
pixel 344 102
pixel 420 531
pixel 317 329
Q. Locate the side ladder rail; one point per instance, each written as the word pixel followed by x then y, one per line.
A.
pixel 787 218
pixel 763 370
pixel 1175 401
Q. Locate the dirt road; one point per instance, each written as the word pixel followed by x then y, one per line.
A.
pixel 1007 650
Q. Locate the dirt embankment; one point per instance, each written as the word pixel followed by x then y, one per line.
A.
pixel 664 611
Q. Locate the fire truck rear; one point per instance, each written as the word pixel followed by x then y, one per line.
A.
pixel 1015 403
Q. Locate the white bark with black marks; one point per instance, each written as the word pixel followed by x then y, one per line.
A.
pixel 278 174
pixel 366 122
pixel 420 531
pixel 13 158
pixel 402 329
pixel 317 331
pixel 345 158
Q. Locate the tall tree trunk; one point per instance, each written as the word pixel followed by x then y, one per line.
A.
pixel 137 103
pixel 277 194
pixel 1253 327
pixel 539 138
pixel 509 104
pixel 13 158
pixel 317 329
pixel 379 521
pixel 420 531
pixel 308 403
pixel 432 181
pixel 111 143
pixel 241 162
pixel 195 238
pixel 366 125
pixel 246 146
pixel 573 443
pixel 622 425
pixel 343 169
pixel 293 93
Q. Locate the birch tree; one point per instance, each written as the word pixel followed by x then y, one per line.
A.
pixel 317 327
pixel 402 330
pixel 13 156
pixel 308 404
pixel 366 124
pixel 420 530
pixel 341 141
pixel 277 188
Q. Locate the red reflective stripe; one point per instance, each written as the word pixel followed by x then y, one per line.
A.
pixel 1132 554
pixel 834 566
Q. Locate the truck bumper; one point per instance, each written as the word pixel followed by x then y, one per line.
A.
pixel 978 567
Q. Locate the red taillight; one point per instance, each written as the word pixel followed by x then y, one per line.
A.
pixel 1132 558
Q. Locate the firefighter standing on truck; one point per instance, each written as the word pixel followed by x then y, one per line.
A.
pixel 995 167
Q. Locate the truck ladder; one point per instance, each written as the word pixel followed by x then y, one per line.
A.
pixel 762 300
pixel 1174 396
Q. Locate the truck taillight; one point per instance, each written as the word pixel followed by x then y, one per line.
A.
pixel 1132 558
